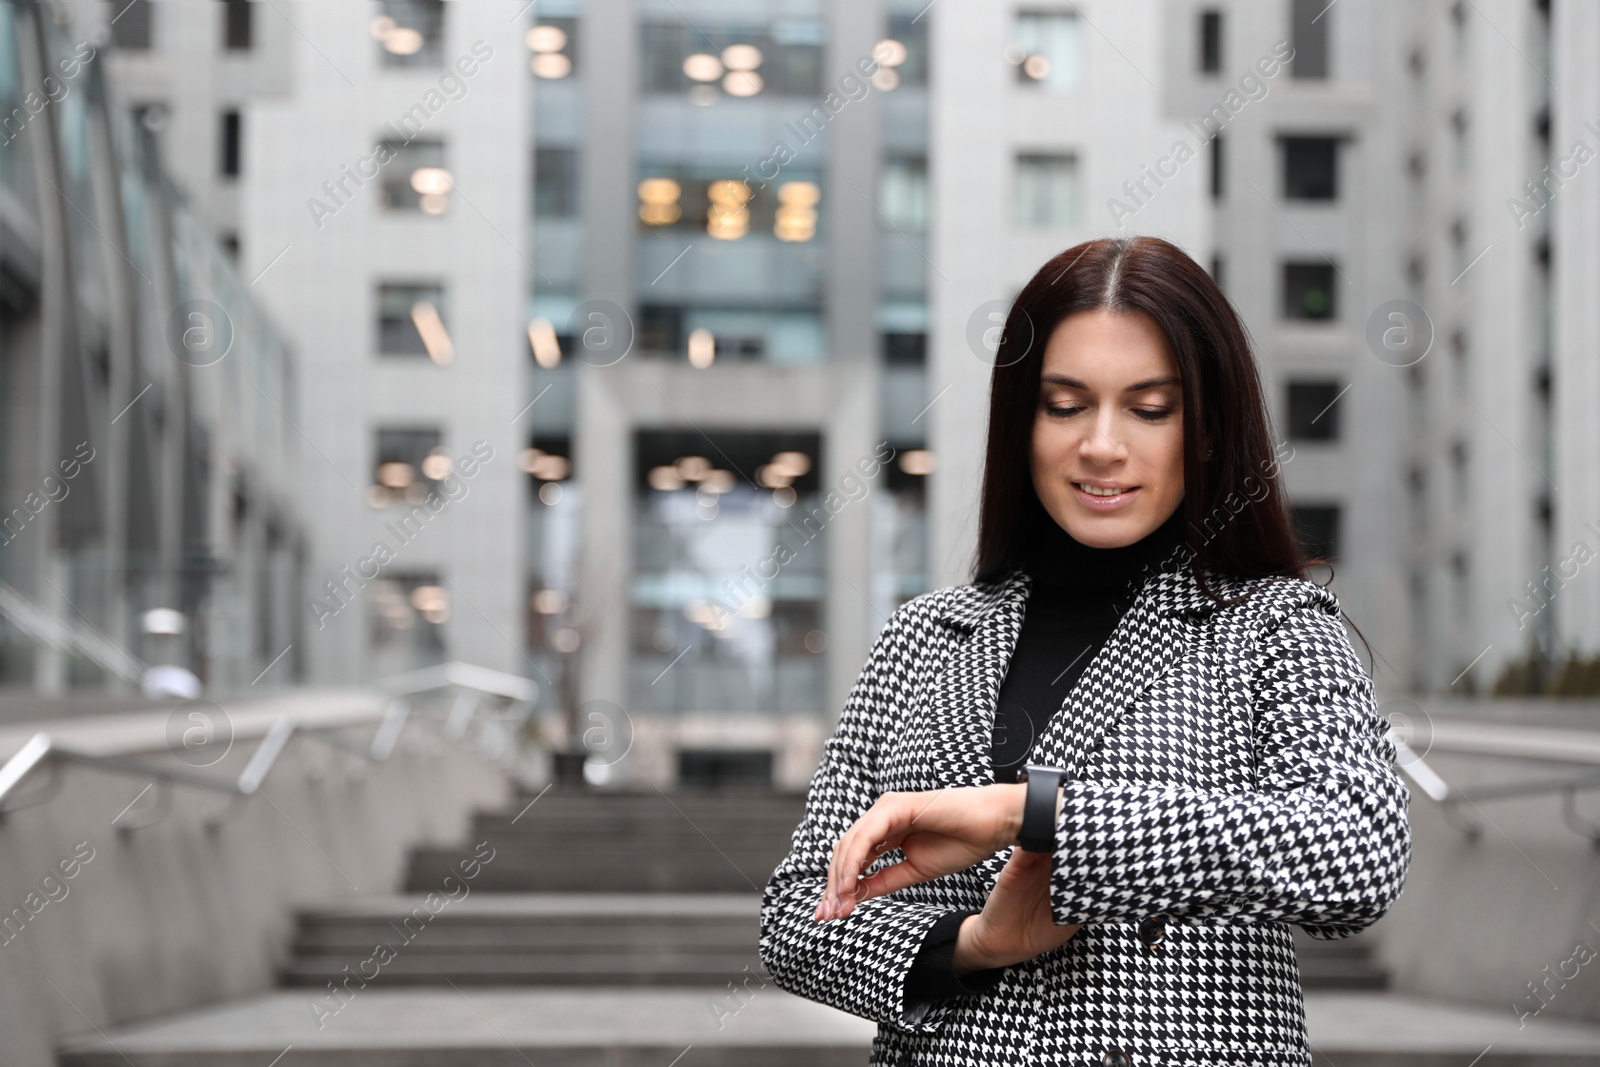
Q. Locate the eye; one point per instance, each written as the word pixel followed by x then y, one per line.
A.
pixel 1152 414
pixel 1062 412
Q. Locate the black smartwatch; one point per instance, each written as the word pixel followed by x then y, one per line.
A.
pixel 1038 832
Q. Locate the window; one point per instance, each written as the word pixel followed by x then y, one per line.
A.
pixel 911 32
pixel 905 349
pixel 555 183
pixel 1308 29
pixel 130 26
pixel 230 144
pixel 410 33
pixel 903 193
pixel 415 179
pixel 237 19
pixel 407 615
pixel 1045 191
pixel 1313 411
pixel 1211 42
pixel 713 201
pixel 1459 486
pixel 1310 168
pixel 736 646
pixel 411 321
pixel 554 44
pixel 784 59
pixel 1308 291
pixel 408 463
pixel 1317 528
pixel 1047 48
pixel 1217 162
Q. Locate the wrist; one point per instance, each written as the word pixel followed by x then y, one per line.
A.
pixel 969 955
pixel 1016 803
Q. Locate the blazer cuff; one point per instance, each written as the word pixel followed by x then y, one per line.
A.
pixel 933 976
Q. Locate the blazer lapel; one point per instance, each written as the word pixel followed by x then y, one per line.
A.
pixel 1148 640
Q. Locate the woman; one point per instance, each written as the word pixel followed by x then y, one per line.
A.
pixel 1223 772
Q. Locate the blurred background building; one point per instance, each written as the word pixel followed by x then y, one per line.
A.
pixel 680 306
pixel 149 461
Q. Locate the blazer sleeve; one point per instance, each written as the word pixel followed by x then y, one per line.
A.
pixel 1324 841
pixel 859 964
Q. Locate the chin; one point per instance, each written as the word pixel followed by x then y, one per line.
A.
pixel 1105 531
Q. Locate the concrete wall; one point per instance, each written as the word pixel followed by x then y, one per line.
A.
pixel 173 916
pixel 1480 919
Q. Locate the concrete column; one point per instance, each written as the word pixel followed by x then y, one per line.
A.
pixel 1575 372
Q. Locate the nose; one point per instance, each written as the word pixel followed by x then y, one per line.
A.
pixel 1102 446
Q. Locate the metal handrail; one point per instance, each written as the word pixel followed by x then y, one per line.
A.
pixel 1450 797
pixel 44 751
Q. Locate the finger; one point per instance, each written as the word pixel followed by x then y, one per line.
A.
pixel 893 877
pixel 837 863
pixel 851 858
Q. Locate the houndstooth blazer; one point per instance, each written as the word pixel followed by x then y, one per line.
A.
pixel 1228 776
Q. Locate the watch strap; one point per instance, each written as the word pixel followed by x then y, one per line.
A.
pixel 1038 831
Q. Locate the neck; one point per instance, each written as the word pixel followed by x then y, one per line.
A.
pixel 1056 559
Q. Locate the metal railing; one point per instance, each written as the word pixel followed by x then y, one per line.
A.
pixel 1450 798
pixel 472 686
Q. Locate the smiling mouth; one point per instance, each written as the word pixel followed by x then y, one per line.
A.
pixel 1105 492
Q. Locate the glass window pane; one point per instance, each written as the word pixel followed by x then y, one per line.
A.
pixel 1048 49
pixel 1046 190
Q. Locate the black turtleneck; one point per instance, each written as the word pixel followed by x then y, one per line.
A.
pixel 1076 599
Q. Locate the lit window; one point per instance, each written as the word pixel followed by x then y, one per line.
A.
pixel 710 63
pixel 411 322
pixel 415 178
pixel 410 33
pixel 728 217
pixel 1047 49
pixel 553 48
pixel 408 463
pixel 796 217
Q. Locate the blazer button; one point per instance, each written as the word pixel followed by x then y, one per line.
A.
pixel 1152 931
pixel 1115 1057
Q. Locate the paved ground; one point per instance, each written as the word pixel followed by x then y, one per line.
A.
pixel 675 1019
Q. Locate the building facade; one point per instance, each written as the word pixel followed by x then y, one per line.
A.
pixel 151 512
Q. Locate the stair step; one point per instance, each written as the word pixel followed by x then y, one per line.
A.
pixel 588 969
pixel 685 871
pixel 493 1027
pixel 501 1027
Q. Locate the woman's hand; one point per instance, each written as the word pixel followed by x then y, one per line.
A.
pixel 1016 923
pixel 940 831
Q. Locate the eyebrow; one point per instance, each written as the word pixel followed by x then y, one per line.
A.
pixel 1073 383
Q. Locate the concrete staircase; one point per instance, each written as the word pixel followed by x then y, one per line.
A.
pixel 502 952
pixel 643 842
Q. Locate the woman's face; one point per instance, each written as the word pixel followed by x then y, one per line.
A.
pixel 1110 415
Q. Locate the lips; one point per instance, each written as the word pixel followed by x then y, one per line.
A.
pixel 1098 499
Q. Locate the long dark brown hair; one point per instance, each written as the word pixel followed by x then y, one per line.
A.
pixel 1236 517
